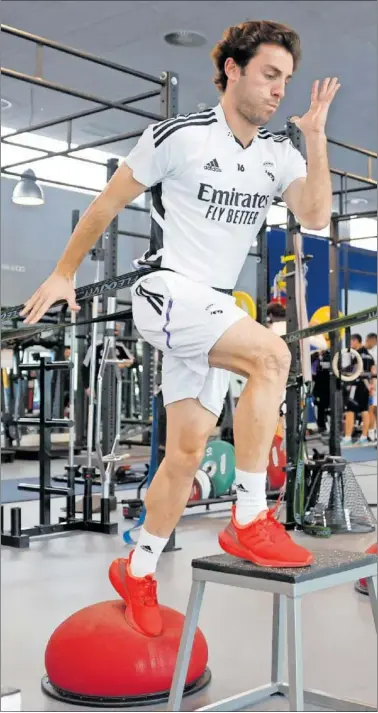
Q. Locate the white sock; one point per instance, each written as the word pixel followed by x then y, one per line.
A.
pixel 251 494
pixel 146 554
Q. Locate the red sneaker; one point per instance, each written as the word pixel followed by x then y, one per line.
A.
pixel 264 542
pixel 142 609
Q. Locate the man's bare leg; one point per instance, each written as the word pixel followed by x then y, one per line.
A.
pixel 365 417
pixel 349 424
pixel 250 349
pixel 189 426
pixel 254 533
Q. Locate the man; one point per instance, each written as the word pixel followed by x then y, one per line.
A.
pixel 121 351
pixel 371 346
pixel 213 177
pixel 356 395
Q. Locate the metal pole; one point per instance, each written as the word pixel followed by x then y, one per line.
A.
pixel 262 275
pixel 78 53
pixel 354 176
pixel 130 234
pixel 350 147
pixel 110 244
pixel 67 153
pixel 357 189
pixel 74 370
pixel 44 444
pixel 80 401
pixel 345 250
pixel 356 216
pixel 30 79
pixel 92 372
pixel 293 406
pixel 335 383
pixel 80 115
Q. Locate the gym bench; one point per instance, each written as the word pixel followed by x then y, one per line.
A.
pixel 330 569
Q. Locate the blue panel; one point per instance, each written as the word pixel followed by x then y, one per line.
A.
pixel 318 272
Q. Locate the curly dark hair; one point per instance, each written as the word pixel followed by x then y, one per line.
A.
pixel 275 312
pixel 241 42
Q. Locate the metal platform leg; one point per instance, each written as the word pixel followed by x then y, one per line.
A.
pixel 186 643
pixel 372 590
pixel 278 637
pixel 294 653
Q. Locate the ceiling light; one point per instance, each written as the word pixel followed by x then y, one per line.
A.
pixel 185 38
pixel 358 201
pixel 27 191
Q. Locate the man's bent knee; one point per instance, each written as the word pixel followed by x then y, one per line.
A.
pixel 184 457
pixel 273 364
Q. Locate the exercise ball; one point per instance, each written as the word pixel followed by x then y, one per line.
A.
pixel 95 655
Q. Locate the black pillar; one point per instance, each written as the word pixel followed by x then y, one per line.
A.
pixel 110 245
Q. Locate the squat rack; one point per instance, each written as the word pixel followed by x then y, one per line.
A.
pixel 336 243
pixel 167 91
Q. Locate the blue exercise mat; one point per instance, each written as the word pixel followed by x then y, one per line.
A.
pixel 359 454
pixel 11 494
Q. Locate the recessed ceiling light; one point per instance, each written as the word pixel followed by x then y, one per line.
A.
pixel 358 201
pixel 185 38
pixel 5 104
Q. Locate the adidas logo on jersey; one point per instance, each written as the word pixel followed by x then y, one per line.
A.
pixel 213 166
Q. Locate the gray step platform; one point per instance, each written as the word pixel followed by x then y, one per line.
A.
pixel 330 569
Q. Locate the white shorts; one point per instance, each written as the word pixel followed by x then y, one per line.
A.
pixel 184 320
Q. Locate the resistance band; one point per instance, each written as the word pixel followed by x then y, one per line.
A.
pixel 153 466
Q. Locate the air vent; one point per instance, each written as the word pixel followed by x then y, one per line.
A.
pixel 185 38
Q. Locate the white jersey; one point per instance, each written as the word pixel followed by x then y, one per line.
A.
pixel 210 195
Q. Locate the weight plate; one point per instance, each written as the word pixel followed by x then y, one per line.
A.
pixel 201 488
pixel 277 461
pixel 204 482
pixel 219 464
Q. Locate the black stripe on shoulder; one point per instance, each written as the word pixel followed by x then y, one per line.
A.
pixel 278 138
pixel 159 129
pixel 172 129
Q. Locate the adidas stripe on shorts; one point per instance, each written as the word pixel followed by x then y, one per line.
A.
pixel 184 320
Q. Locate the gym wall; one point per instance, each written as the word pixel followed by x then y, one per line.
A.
pixel 33 239
pixel 360 263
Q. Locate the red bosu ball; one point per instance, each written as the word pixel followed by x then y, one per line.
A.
pixel 96 655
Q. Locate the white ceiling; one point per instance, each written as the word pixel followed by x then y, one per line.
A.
pixel 338 38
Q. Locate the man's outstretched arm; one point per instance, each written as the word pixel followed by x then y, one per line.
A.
pixel 121 190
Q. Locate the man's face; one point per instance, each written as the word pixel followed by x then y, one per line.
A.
pixel 355 344
pixel 260 87
pixel 371 342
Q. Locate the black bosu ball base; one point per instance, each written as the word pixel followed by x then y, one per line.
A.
pixel 127 701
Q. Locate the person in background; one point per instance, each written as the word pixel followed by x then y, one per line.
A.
pixel 356 395
pixel 321 369
pixel 122 353
pixel 371 346
pixel 276 321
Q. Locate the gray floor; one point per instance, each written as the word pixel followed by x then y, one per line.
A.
pixel 56 577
